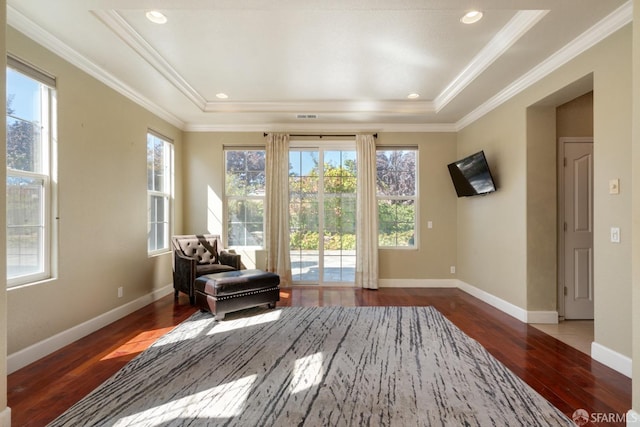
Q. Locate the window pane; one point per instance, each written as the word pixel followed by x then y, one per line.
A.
pixel 396 170
pixel 158 222
pixel 23 97
pixel 245 173
pixel 24 146
pixel 158 208
pixel 396 222
pixel 256 183
pixel 245 220
pixel 25 226
pixel 236 161
pixel 309 185
pixel 255 160
pixel 24 251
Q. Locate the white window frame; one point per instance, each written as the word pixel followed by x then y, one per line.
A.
pixel 228 198
pixel 415 198
pixel 167 195
pixel 48 131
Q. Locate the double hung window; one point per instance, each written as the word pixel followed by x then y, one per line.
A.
pixel 397 170
pixel 29 205
pixel 159 192
pixel 245 184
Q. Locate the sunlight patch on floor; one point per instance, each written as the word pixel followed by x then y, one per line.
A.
pixel 307 372
pixel 244 322
pixel 137 344
pixel 225 401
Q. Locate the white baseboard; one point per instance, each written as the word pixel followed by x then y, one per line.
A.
pixel 502 305
pixel 5 417
pixel 418 283
pixel 26 356
pixel 548 317
pixel 612 359
pixel 633 418
pixel 513 310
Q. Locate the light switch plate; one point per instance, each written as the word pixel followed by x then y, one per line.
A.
pixel 614 186
pixel 615 234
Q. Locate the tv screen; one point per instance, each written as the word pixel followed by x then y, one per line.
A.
pixel 471 176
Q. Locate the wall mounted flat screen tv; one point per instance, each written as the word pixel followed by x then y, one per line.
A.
pixel 471 176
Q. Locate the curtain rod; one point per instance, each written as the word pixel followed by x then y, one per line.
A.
pixel 375 135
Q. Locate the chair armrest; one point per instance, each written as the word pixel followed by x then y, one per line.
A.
pixel 227 258
pixel 184 273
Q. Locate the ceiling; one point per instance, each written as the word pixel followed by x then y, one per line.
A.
pixel 349 64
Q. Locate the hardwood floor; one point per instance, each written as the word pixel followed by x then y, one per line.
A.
pixel 565 376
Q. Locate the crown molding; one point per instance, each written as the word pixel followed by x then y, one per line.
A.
pixel 518 26
pixel 130 36
pixel 26 26
pixel 323 127
pixel 603 29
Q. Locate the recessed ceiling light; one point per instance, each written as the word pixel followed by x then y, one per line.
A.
pixel 471 17
pixel 413 95
pixel 156 17
pixel 221 95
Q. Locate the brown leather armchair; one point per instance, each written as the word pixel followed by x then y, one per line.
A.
pixel 197 255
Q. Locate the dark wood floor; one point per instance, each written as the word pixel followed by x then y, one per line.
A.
pixel 566 377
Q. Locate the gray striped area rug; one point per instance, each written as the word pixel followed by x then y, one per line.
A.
pixel 331 366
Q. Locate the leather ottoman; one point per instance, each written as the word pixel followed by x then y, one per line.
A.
pixel 221 293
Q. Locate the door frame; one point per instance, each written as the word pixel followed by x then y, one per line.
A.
pixel 561 217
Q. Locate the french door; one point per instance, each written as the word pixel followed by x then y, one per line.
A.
pixel 322 188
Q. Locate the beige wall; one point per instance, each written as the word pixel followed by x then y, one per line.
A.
pixel 3 256
pixel 635 262
pixel 102 204
pixel 575 118
pixel 204 189
pixel 436 251
pixel 495 232
pixel 541 190
pixel 492 228
pixel 612 159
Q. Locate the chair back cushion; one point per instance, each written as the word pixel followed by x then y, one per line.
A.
pixel 199 247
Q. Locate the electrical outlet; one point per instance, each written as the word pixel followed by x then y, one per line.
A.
pixel 429 224
pixel 452 269
pixel 120 292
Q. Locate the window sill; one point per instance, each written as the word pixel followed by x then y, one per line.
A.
pixel 13 287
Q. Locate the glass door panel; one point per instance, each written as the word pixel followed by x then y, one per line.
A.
pixel 323 215
pixel 304 218
pixel 339 174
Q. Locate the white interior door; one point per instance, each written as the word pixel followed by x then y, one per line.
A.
pixel 578 230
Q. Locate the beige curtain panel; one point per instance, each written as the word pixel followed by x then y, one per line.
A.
pixel 277 207
pixel 367 214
